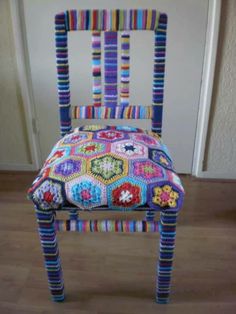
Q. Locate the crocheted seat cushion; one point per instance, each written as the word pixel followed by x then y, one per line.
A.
pixel 115 166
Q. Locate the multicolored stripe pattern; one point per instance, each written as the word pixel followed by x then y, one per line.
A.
pixel 50 250
pixel 110 21
pixel 107 225
pixel 119 112
pixel 125 69
pixel 63 84
pixel 166 255
pixel 159 74
pixel 110 67
pixel 96 69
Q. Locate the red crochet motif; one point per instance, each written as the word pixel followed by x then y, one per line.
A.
pixel 126 195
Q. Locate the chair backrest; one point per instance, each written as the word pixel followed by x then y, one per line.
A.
pixel 116 103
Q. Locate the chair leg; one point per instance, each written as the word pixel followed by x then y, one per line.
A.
pixel 49 245
pixel 166 255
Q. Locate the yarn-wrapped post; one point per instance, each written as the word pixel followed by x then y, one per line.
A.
pixel 150 215
pixel 74 214
pixel 50 250
pixel 168 222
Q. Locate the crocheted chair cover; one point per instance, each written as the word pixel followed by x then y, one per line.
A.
pixel 120 167
pixel 99 167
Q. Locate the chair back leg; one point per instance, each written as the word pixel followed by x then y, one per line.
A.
pixel 166 254
pixel 49 245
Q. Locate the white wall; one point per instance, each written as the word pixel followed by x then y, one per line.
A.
pixel 221 152
pixel 14 146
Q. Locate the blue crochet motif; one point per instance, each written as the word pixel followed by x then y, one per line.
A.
pixel 86 193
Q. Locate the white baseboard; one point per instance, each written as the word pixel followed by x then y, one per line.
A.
pixel 17 167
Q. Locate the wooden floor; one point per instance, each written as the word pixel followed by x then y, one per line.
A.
pixel 115 273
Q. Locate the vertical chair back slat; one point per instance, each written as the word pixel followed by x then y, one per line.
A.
pixel 125 69
pixel 63 84
pixel 110 70
pixel 96 69
pixel 111 22
pixel 159 73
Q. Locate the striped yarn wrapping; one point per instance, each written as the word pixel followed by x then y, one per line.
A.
pixel 167 244
pixel 129 112
pixel 150 215
pixel 110 20
pixel 63 84
pixel 96 69
pixel 125 69
pixel 49 245
pixel 110 67
pixel 74 214
pixel 107 225
pixel 159 73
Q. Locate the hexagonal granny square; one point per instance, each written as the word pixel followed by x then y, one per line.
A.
pixel 68 169
pixel 75 138
pixel 126 194
pixel 161 158
pixel 57 154
pixel 147 170
pixel 86 192
pixel 48 194
pixel 90 148
pixel 108 168
pixel 129 149
pixel 110 135
pixel 146 139
pixel 164 195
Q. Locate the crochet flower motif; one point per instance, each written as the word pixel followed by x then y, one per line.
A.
pixel 145 139
pixel 56 155
pixel 86 194
pixel 161 158
pixel 107 167
pixel 110 135
pixel 75 138
pixel 147 170
pixel 165 196
pixel 129 149
pixel 68 169
pixel 89 149
pixel 48 195
pixel 126 195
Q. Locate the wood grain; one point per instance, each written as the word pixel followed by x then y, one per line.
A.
pixel 115 273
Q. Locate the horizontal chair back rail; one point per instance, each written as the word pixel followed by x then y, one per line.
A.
pixel 119 112
pixel 116 98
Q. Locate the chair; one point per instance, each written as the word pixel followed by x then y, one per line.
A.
pixel 99 167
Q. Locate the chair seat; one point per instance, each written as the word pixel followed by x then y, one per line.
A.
pixel 116 166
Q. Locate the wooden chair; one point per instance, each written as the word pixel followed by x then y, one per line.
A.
pixel 96 167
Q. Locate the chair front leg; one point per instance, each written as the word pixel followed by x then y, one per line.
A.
pixel 168 222
pixel 49 245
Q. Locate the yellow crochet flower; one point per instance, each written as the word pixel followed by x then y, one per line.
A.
pixel 165 196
